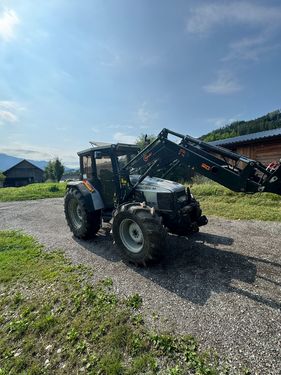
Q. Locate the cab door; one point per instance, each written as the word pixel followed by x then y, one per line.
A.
pixel 105 177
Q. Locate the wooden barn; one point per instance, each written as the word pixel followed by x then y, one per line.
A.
pixel 263 146
pixel 22 174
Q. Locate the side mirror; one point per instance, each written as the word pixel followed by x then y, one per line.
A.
pixel 97 155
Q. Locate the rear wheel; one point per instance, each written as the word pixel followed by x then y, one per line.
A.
pixel 139 234
pixel 83 224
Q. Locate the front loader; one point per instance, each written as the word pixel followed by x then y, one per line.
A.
pixel 125 186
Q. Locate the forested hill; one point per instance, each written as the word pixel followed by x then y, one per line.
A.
pixel 270 121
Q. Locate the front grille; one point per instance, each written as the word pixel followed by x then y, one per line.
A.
pixel 165 201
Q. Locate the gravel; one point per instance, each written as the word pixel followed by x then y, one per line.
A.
pixel 222 285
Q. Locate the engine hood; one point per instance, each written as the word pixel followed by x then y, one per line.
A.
pixel 157 184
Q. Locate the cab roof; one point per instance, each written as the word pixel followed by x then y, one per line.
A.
pixel 118 148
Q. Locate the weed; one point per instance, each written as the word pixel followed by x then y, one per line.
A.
pixel 164 343
pixel 107 282
pixel 175 371
pixel 18 326
pixel 44 323
pixel 18 298
pixel 72 335
pixel 137 319
pixel 134 301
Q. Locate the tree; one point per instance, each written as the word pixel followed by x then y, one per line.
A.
pixel 54 170
pixel 143 140
pixel 2 179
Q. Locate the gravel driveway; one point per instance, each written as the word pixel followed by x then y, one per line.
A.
pixel 222 285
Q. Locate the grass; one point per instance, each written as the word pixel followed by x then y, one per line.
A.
pixel 53 321
pixel 214 199
pixel 219 201
pixel 33 191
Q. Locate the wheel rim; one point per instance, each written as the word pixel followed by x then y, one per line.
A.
pixel 75 213
pixel 131 235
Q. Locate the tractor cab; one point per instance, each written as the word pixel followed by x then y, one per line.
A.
pixel 101 165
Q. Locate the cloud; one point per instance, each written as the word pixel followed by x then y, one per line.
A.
pixel 204 18
pixel 224 84
pixel 145 115
pixel 264 20
pixel 250 48
pixel 8 21
pixel 124 138
pixel 219 122
pixel 27 151
pixel 9 111
pixel 6 116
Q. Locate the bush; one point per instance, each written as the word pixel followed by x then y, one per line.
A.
pixel 53 188
pixel 2 179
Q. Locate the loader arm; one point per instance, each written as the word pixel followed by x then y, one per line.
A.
pixel 227 168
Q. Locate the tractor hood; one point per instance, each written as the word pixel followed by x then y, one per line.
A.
pixel 157 185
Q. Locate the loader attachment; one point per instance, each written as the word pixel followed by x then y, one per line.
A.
pixel 234 171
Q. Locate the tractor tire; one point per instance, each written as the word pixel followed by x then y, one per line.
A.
pixel 139 234
pixel 82 223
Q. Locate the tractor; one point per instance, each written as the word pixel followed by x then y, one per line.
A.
pixel 126 187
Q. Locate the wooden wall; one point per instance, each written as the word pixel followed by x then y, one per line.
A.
pixel 25 170
pixel 265 152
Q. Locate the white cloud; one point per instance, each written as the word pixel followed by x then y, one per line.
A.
pixel 124 138
pixel 224 84
pixel 145 115
pixel 263 21
pixel 27 151
pixel 218 122
pixel 204 18
pixel 250 48
pixel 6 116
pixel 8 21
pixel 9 111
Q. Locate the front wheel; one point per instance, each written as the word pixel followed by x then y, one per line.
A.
pixel 139 234
pixel 82 223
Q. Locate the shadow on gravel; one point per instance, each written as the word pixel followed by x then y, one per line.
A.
pixel 193 268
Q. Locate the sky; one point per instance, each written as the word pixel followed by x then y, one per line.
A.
pixel 105 70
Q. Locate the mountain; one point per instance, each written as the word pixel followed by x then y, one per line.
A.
pixel 7 161
pixel 270 121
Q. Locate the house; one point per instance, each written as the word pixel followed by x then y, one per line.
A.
pixel 23 173
pixel 263 146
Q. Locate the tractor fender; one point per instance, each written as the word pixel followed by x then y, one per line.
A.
pixel 93 199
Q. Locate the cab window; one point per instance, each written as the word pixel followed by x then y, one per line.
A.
pixel 104 167
pixel 87 167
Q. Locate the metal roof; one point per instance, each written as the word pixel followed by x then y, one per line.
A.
pixel 27 161
pixel 267 134
pixel 120 148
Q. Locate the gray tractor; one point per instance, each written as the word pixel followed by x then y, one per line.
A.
pixel 124 186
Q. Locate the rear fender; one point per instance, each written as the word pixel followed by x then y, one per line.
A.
pixel 93 199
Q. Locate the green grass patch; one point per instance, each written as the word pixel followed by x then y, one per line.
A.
pixel 53 321
pixel 33 191
pixel 219 201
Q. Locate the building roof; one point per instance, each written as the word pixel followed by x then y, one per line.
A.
pixel 248 138
pixel 24 160
pixel 120 148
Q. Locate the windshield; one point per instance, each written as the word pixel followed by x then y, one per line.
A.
pixel 124 159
